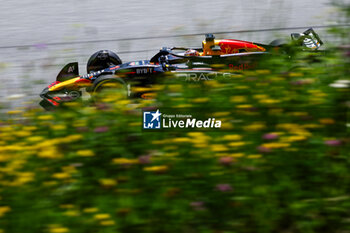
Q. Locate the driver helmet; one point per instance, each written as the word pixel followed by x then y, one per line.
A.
pixel 191 53
pixel 102 59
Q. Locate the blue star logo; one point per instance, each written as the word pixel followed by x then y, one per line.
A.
pixel 152 120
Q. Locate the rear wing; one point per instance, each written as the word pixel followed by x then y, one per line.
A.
pixel 309 39
pixel 69 71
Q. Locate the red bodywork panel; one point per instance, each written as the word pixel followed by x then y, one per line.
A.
pixel 230 46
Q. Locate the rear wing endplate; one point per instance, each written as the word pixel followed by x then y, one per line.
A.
pixel 69 71
pixel 309 39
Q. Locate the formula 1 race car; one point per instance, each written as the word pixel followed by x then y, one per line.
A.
pixel 105 69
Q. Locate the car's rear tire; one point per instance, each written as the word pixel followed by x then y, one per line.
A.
pixel 278 42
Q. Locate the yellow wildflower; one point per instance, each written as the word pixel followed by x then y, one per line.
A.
pixel 50 153
pixel 61 175
pixel 45 117
pixel 49 183
pixel 238 99
pixel 181 139
pixel 24 177
pixel 108 182
pixel 218 148
pixel 72 104
pixel 35 139
pixel 237 155
pixel 46 144
pixel 326 121
pixel 4 210
pixel 263 72
pixel 320 94
pixel 288 126
pixel 254 156
pixel 107 223
pixel 269 101
pixel 260 96
pixel 125 161
pixel 241 87
pixel 236 75
pixel 30 128
pixel 7 128
pixel 276 145
pixel 236 144
pixel 298 114
pixel 58 127
pixel 123 102
pixel 244 106
pixel 213 84
pixel 175 87
pixel 14 147
pixel 69 169
pixel 59 230
pixel 293 138
pixel 312 126
pixel 158 87
pixel 133 124
pixel 79 123
pixel 171 154
pixel 141 89
pixel 28 114
pixel 226 125
pixel 221 114
pixel 22 133
pixel 90 210
pixel 200 100
pixel 301 132
pixel 159 142
pixel 8 138
pixel 232 137
pixel 160 168
pixel 198 137
pixel 101 216
pixel 14 112
pixel 277 79
pixel 295 74
pixel 73 138
pixel 200 145
pixel 71 213
pixel 183 106
pixel 85 153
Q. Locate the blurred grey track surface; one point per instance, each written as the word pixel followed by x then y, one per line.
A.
pixel 27 70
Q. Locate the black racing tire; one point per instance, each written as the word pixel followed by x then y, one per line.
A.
pixel 109 85
pixel 278 42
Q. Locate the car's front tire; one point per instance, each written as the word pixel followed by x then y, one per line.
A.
pixel 109 86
